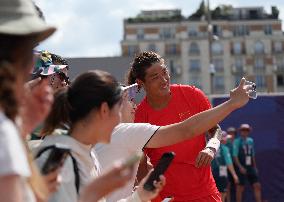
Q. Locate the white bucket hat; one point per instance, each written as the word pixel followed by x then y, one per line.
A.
pixel 19 17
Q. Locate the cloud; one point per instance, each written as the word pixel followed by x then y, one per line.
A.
pixel 95 28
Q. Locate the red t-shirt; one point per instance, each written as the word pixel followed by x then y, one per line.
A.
pixel 184 181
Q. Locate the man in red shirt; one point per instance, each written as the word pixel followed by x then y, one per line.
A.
pixel 189 178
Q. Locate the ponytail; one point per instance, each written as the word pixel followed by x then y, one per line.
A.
pixel 8 99
pixel 59 113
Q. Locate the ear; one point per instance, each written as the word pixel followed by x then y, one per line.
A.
pixel 104 111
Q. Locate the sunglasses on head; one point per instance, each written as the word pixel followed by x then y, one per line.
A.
pixel 131 90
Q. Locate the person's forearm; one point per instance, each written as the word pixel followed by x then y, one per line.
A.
pixel 205 120
pixel 191 127
pixel 142 169
pixel 231 169
pixel 237 162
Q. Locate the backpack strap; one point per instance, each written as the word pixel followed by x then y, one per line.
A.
pixel 74 161
pixel 76 172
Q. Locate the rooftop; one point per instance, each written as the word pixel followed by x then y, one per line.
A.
pixel 222 12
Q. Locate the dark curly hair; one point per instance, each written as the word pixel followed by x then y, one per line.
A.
pixel 58 59
pixel 140 64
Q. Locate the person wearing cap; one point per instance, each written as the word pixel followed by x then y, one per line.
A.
pixel 221 163
pixel 232 133
pixel 244 158
pixel 53 68
pixel 20 31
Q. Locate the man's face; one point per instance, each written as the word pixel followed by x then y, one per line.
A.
pixel 157 80
pixel 244 132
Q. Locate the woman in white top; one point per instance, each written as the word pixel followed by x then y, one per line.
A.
pixel 93 102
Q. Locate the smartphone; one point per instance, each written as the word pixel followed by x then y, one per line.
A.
pixel 159 169
pixel 56 158
pixel 133 159
pixel 252 92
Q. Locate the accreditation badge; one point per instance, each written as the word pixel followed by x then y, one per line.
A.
pixel 248 161
pixel 223 172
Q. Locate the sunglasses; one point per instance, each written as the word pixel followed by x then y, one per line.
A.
pixel 131 90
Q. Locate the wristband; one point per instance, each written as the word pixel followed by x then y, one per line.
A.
pixel 213 143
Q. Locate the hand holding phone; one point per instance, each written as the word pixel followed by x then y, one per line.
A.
pixel 159 169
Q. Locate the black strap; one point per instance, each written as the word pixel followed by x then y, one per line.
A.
pixel 74 161
pixel 76 171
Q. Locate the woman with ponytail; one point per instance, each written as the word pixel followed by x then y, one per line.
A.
pixel 90 107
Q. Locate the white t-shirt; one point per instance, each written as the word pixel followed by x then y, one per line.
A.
pixel 88 167
pixel 126 139
pixel 13 158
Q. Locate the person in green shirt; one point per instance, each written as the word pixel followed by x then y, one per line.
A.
pixel 244 158
pixel 220 166
pixel 232 133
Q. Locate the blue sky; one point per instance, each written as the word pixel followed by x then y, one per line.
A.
pixel 94 28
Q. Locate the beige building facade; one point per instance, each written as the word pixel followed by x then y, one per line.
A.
pixel 247 43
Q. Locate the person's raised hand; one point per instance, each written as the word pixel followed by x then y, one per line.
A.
pixel 240 95
pixel 36 104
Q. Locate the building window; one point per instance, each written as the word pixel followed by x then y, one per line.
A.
pixel 241 30
pixel 194 66
pixel 277 47
pixel 218 64
pixel 238 79
pixel 279 61
pixel 219 82
pixel 267 30
pixel 258 47
pixel 239 63
pixel 167 33
pixel 172 49
pixel 217 30
pixel 260 81
pixel 192 31
pixel 132 50
pixel 194 49
pixel 280 80
pixel 152 47
pixel 259 63
pixel 140 33
pixel 216 48
pixel 174 69
pixel 195 81
pixel 237 47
